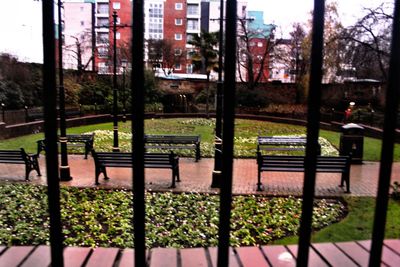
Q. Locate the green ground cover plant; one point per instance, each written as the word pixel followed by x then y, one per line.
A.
pixel 246 132
pixel 94 217
pixel 357 225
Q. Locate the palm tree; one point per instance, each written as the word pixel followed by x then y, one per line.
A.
pixel 205 57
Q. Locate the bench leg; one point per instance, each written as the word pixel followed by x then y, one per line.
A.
pixel 36 167
pixel 198 155
pixel 173 178
pixel 259 184
pixel 28 169
pixel 345 179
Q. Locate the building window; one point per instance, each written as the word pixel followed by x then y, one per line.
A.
pixel 178 22
pixel 260 44
pixel 82 23
pixel 116 5
pixel 118 20
pixel 103 52
pixel 81 8
pixel 178 36
pixel 192 25
pixel 177 66
pixel 118 35
pixel 178 52
pixel 103 69
pixel 178 6
pixel 103 22
pixel 189 37
pixel 102 37
pixel 192 9
pixel 102 8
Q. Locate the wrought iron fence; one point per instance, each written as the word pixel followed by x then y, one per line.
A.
pixel 314 102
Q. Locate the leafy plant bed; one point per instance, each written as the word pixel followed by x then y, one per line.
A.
pixel 94 217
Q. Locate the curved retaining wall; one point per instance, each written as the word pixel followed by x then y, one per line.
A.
pixel 11 131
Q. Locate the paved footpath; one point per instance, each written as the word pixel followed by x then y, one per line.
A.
pixel 196 177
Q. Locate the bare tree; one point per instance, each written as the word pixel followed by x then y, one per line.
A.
pixel 367 42
pixel 82 44
pixel 162 54
pixel 254 48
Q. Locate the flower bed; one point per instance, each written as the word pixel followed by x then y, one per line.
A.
pixel 94 217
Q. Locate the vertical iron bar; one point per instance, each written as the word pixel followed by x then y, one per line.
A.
pixel 50 131
pixel 65 174
pixel 93 37
pixel 115 93
pixel 313 118
pixel 137 111
pixel 228 130
pixel 388 138
pixel 216 175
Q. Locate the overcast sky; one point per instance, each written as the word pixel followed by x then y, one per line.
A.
pixel 20 21
pixel 284 13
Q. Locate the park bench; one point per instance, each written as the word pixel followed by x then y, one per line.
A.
pixel 74 140
pixel 21 157
pixel 123 160
pixel 75 112
pixel 39 115
pixel 281 163
pixel 282 143
pixel 174 142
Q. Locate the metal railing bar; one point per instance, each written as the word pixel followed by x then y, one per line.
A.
pixel 228 134
pixel 137 93
pixel 50 126
pixel 388 138
pixel 313 117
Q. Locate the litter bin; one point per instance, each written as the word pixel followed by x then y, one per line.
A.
pixel 352 141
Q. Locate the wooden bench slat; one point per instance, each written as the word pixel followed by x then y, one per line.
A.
pixel 193 257
pixel 14 256
pixel 355 251
pixel 388 256
pixel 171 142
pixel 40 257
pixel 127 258
pixel 339 164
pixel 161 257
pixel 251 257
pixel 102 257
pixel 333 255
pixel 21 157
pixel 76 256
pixel 123 159
pixel 233 260
pixel 279 256
pixel 313 258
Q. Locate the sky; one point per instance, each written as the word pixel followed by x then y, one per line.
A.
pixel 284 13
pixel 21 34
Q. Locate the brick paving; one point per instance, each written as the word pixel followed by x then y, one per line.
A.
pixel 196 177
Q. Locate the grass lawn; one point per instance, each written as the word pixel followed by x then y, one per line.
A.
pixel 246 132
pixel 357 225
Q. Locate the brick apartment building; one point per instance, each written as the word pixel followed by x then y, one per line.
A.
pixel 173 20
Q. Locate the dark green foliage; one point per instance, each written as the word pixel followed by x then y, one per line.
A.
pixel 250 98
pixel 20 83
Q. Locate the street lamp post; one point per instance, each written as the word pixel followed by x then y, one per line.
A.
pixel 115 95
pixel 65 174
pixel 216 174
pixel 123 64
pixel 3 108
